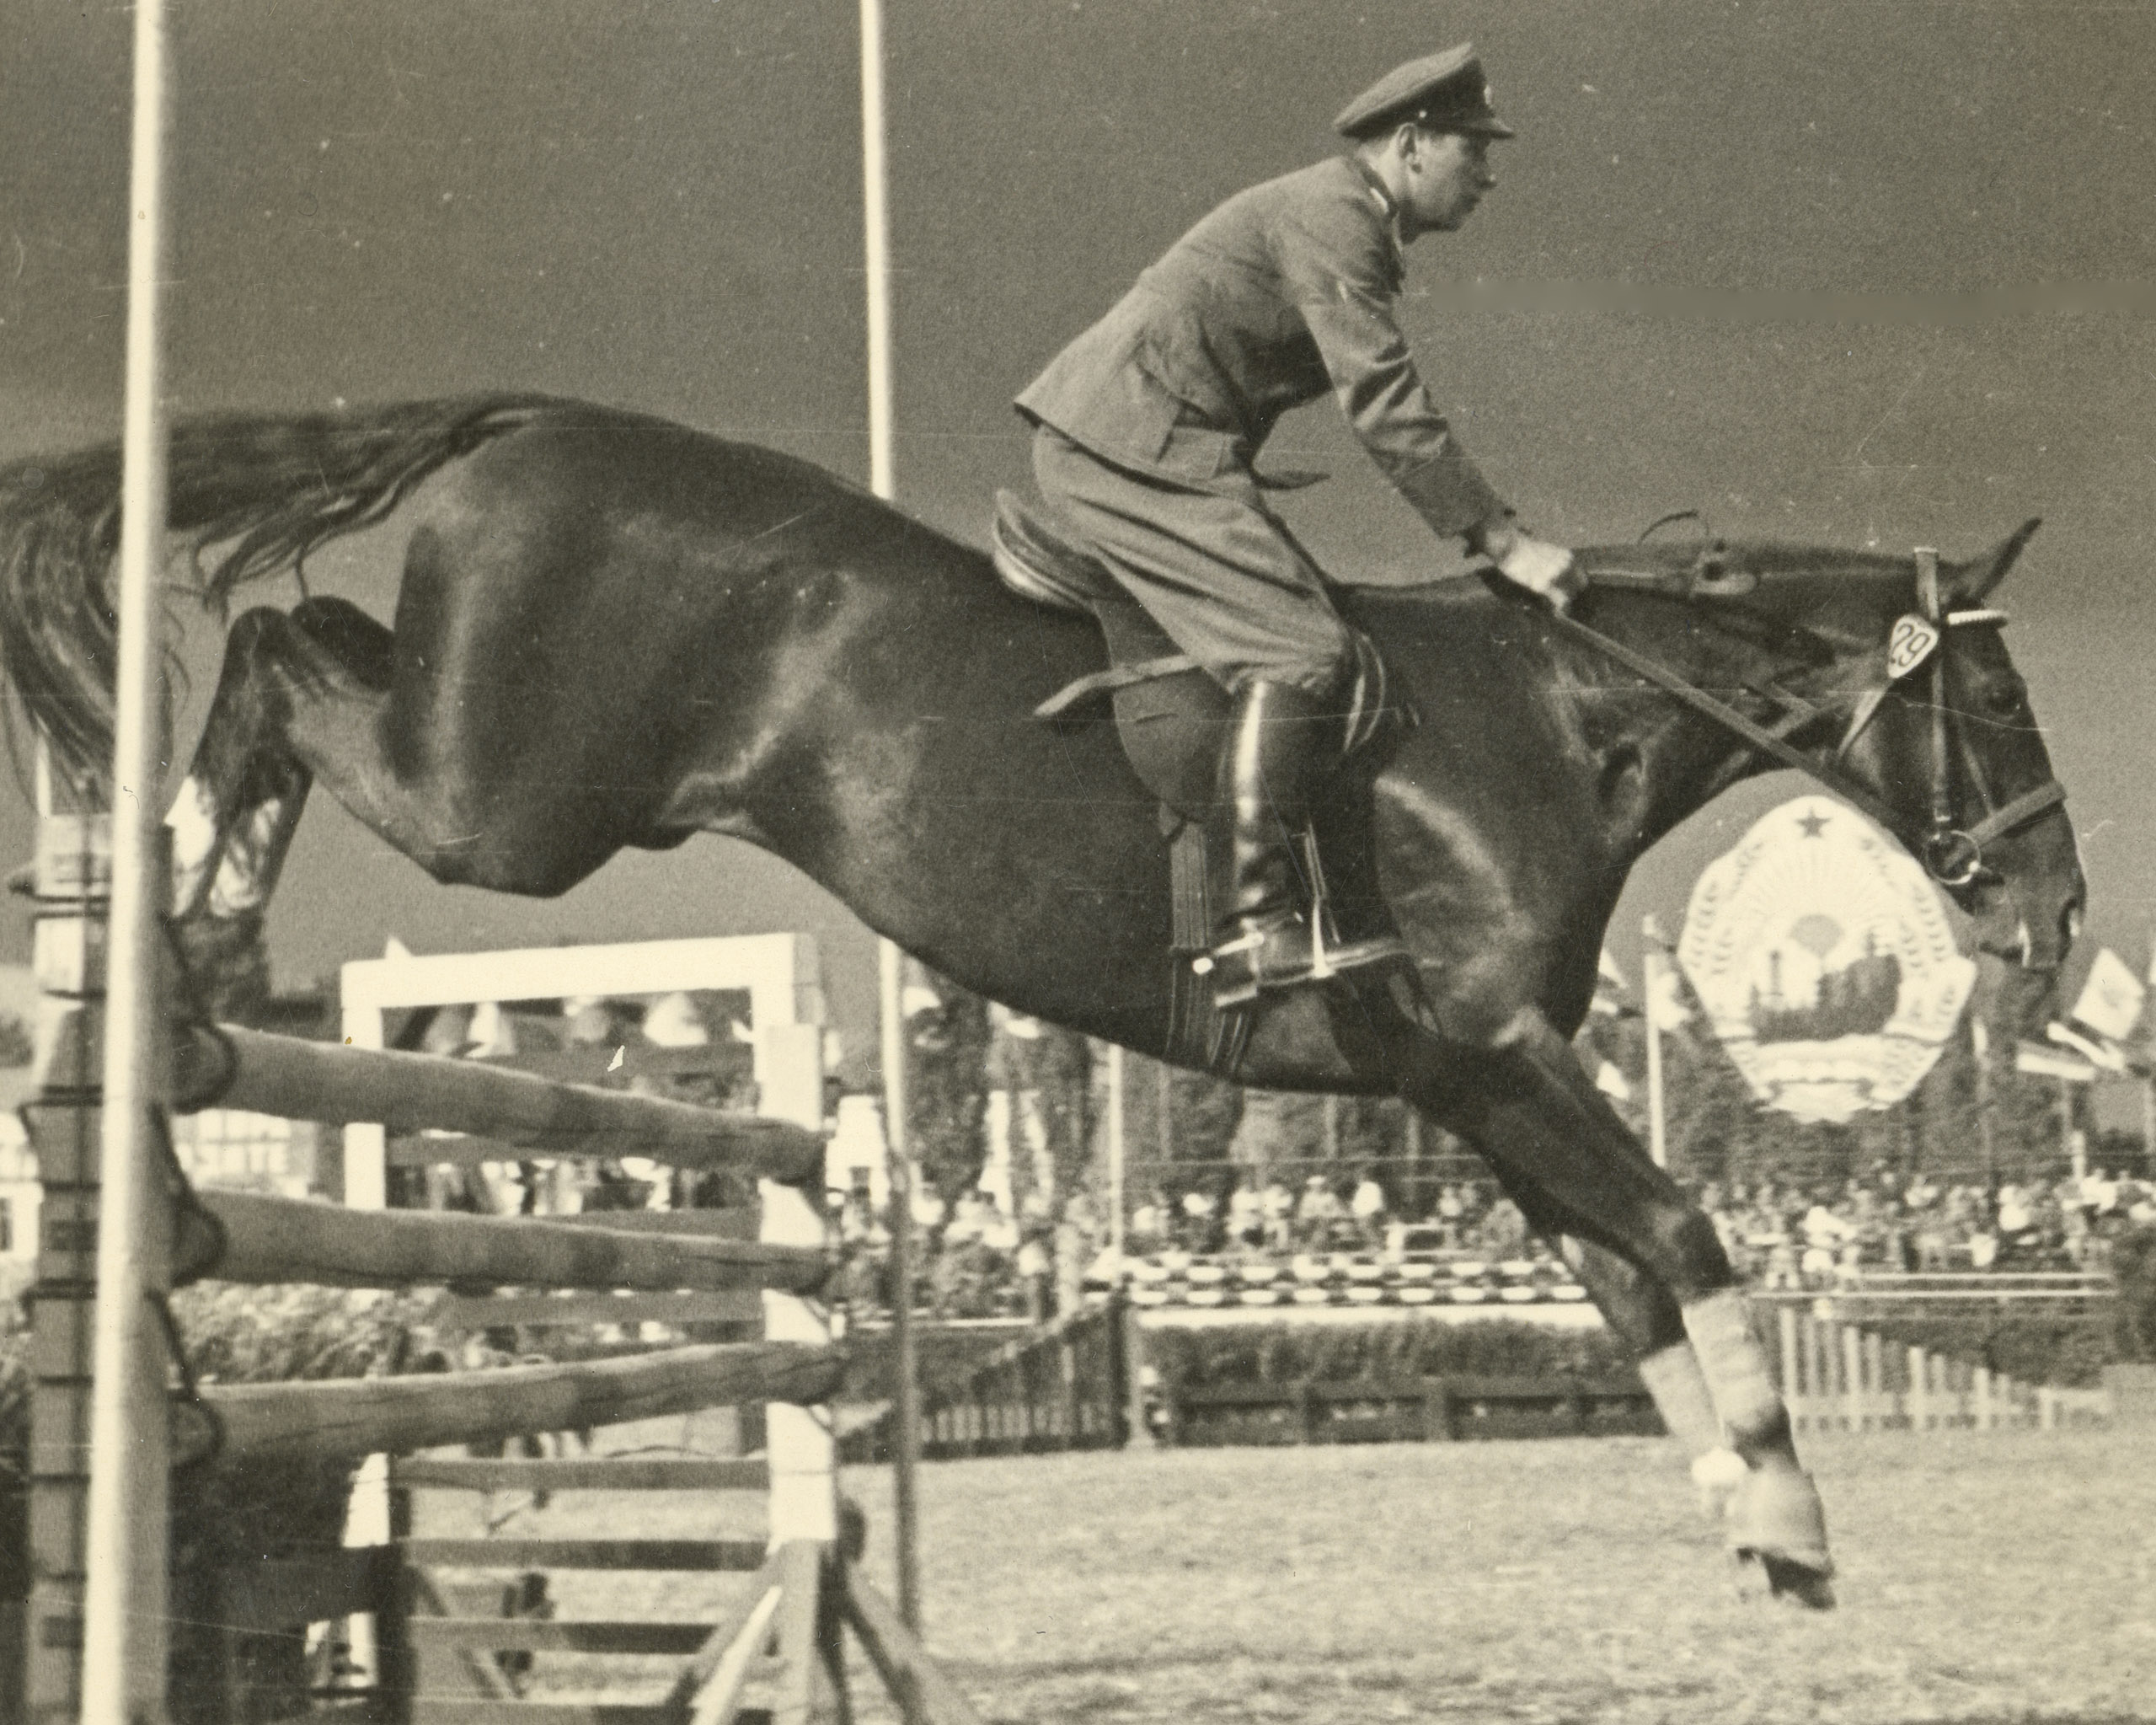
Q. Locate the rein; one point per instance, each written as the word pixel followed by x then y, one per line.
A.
pixel 1952 854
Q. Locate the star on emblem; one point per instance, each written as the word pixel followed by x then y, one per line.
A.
pixel 1813 825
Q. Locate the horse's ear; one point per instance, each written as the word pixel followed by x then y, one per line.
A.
pixel 1972 581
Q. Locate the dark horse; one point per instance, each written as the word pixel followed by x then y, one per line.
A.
pixel 614 632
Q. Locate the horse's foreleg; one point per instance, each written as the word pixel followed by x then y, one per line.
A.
pixel 1648 1320
pixel 1536 1116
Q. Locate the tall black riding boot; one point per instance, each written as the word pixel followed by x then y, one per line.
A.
pixel 1283 743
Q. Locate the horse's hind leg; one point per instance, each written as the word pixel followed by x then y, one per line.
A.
pixel 233 819
pixel 1531 1110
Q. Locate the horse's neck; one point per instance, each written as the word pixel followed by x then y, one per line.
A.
pixel 1687 757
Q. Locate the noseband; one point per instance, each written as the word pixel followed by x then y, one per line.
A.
pixel 1951 852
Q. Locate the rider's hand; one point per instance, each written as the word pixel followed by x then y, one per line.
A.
pixel 1536 564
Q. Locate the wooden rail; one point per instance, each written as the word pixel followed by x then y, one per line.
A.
pixel 366 1415
pixel 291 1240
pixel 340 1085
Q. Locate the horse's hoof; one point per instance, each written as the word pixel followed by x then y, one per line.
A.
pixel 1788 1579
pixel 1776 1516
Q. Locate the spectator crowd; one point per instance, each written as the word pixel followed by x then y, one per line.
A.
pixel 974 1259
pixel 1783 1235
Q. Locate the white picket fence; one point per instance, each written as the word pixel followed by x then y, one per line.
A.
pixel 1838 1376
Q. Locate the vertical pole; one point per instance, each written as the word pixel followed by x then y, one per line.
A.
pixel 1852 1400
pixel 2075 1146
pixel 1919 1389
pixel 1792 1364
pixel 1807 1331
pixel 2148 1082
pixel 1117 1200
pixel 906 1454
pixel 875 223
pixel 370 1516
pixel 875 213
pixel 1652 960
pixel 74 880
pixel 1164 1085
pixel 1980 1048
pixel 124 1612
pixel 802 1452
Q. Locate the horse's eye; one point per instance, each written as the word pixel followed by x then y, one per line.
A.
pixel 2005 699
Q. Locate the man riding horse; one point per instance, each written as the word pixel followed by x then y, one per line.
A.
pixel 1147 429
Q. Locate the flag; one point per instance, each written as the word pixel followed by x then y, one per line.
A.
pixel 1665 1007
pixel 2097 1053
pixel 2052 1063
pixel 1612 992
pixel 2111 998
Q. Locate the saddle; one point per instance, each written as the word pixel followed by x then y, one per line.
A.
pixel 1172 720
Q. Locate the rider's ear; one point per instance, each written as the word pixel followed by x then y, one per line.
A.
pixel 1972 581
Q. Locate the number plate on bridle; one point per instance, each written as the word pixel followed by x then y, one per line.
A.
pixel 1909 644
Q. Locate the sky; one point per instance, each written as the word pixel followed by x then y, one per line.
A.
pixel 1874 273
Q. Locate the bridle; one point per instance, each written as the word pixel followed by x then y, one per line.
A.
pixel 1953 854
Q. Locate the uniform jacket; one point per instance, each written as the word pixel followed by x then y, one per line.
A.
pixel 1284 292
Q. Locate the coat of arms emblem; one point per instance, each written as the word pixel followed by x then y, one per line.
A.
pixel 1825 962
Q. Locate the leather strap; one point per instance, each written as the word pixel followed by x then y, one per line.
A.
pixel 1918 838
pixel 2019 812
pixel 1729 719
pixel 1093 687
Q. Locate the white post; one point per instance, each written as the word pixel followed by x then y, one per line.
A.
pixel 1115 1152
pixel 1792 1364
pixel 1980 1386
pixel 1919 1389
pixel 799 1440
pixel 875 211
pixel 1853 1396
pixel 906 1454
pixel 125 1606
pixel 875 223
pixel 1651 963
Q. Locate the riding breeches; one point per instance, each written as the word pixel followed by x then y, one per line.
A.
pixel 1217 570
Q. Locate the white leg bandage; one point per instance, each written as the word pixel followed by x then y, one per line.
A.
pixel 1734 1364
pixel 1673 1377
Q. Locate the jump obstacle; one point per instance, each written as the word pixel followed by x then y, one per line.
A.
pixel 786 1632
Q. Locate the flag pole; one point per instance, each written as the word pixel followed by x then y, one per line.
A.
pixel 875 222
pixel 125 1627
pixel 1650 980
pixel 2149 1078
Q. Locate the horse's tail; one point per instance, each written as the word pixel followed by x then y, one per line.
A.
pixel 273 487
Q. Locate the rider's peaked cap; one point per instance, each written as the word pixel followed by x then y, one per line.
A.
pixel 1440 91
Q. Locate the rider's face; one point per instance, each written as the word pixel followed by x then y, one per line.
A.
pixel 1446 174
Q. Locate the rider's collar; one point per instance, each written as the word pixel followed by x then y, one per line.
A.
pixel 1386 200
pixel 1387 204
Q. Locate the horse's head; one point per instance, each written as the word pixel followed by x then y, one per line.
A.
pixel 1951 745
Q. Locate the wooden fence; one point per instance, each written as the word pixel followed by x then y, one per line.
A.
pixel 1837 1375
pixel 1066 1386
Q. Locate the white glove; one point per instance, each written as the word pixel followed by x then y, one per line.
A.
pixel 1536 564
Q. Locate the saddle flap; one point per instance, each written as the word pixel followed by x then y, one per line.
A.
pixel 1036 561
